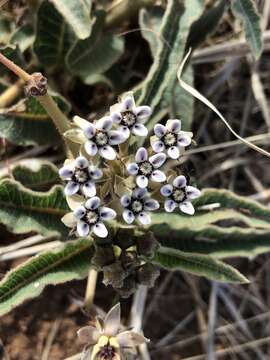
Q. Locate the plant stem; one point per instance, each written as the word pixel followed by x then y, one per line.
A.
pixel 7 96
pixel 60 120
pixel 90 288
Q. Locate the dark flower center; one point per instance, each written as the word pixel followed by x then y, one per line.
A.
pixel 91 217
pixel 179 195
pixel 146 168
pixel 136 206
pixel 128 118
pixel 101 138
pixel 81 175
pixel 170 139
pixel 107 353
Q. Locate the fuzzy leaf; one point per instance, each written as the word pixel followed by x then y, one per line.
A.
pixel 52 35
pixel 69 262
pixel 96 54
pixel 247 13
pixel 27 123
pixel 77 15
pixel 23 37
pixel 23 210
pixel 196 264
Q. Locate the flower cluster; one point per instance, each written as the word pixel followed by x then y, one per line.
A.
pixel 105 182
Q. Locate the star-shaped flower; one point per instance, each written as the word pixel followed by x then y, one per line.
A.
pixel 137 206
pixel 105 340
pixel 80 176
pixel 170 138
pixel 179 194
pixel 131 118
pixel 90 217
pixel 146 169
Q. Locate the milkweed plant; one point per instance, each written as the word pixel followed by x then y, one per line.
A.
pixel 115 182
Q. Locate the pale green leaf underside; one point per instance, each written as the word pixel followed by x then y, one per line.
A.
pixel 77 15
pixel 23 210
pixel 69 262
pixel 247 12
pixel 197 264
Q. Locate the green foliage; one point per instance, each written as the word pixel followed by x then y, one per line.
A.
pixel 197 264
pixel 77 15
pixel 13 53
pixel 96 54
pixel 69 262
pixel 27 123
pixel 247 13
pixel 23 37
pixel 23 210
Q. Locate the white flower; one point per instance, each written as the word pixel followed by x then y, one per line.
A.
pixel 179 195
pixel 105 341
pixel 90 217
pixel 100 137
pixel 80 176
pixel 137 206
pixel 131 118
pixel 146 169
pixel 171 138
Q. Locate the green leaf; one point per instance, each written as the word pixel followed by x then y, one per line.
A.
pixel 23 37
pixel 96 54
pixel 247 13
pixel 52 35
pixel 36 174
pixel 196 264
pixel 5 29
pixel 77 15
pixel 27 123
pixel 215 241
pixel 23 210
pixel 13 53
pixel 69 262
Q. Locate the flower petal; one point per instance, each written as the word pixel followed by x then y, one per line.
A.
pixel 130 339
pixel 166 190
pixel 117 137
pixel 69 220
pixel 141 155
pixel 107 152
pixel 90 148
pixel 192 192
pixel 180 181
pixel 95 172
pixel 139 193
pixel 169 205
pixel 82 228
pixel 142 181
pixel 187 208
pixel 107 213
pixel 100 230
pixel 93 203
pixel 71 188
pixel 66 172
pixel 173 125
pixel 183 140
pixel 116 117
pixel 127 104
pixel 144 218
pixel 158 176
pixel 139 130
pixel 88 335
pixel 132 168
pixel 158 146
pixel 125 200
pixel 157 160
pixel 89 131
pixel 160 130
pixel 80 122
pixel 105 123
pixel 151 204
pixel 173 152
pixel 113 320
pixel 142 112
pixel 128 216
pixel 79 212
pixel 81 162
pixel 89 189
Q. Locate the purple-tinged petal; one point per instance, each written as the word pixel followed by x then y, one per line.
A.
pixel 141 155
pixel 160 130
pixel 158 146
pixel 173 152
pixel 166 190
pixel 125 200
pixel 100 230
pixel 144 218
pixel 169 205
pixel 90 148
pixel 93 203
pixel 71 188
pixel 89 189
pixel 139 130
pixel 173 126
pixel 192 192
pixel 142 181
pixel 183 140
pixel 180 181
pixel 105 123
pixel 107 152
pixel 82 228
pixel 158 176
pixel 128 216
pixel 157 160
pixel 187 208
pixel 132 168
